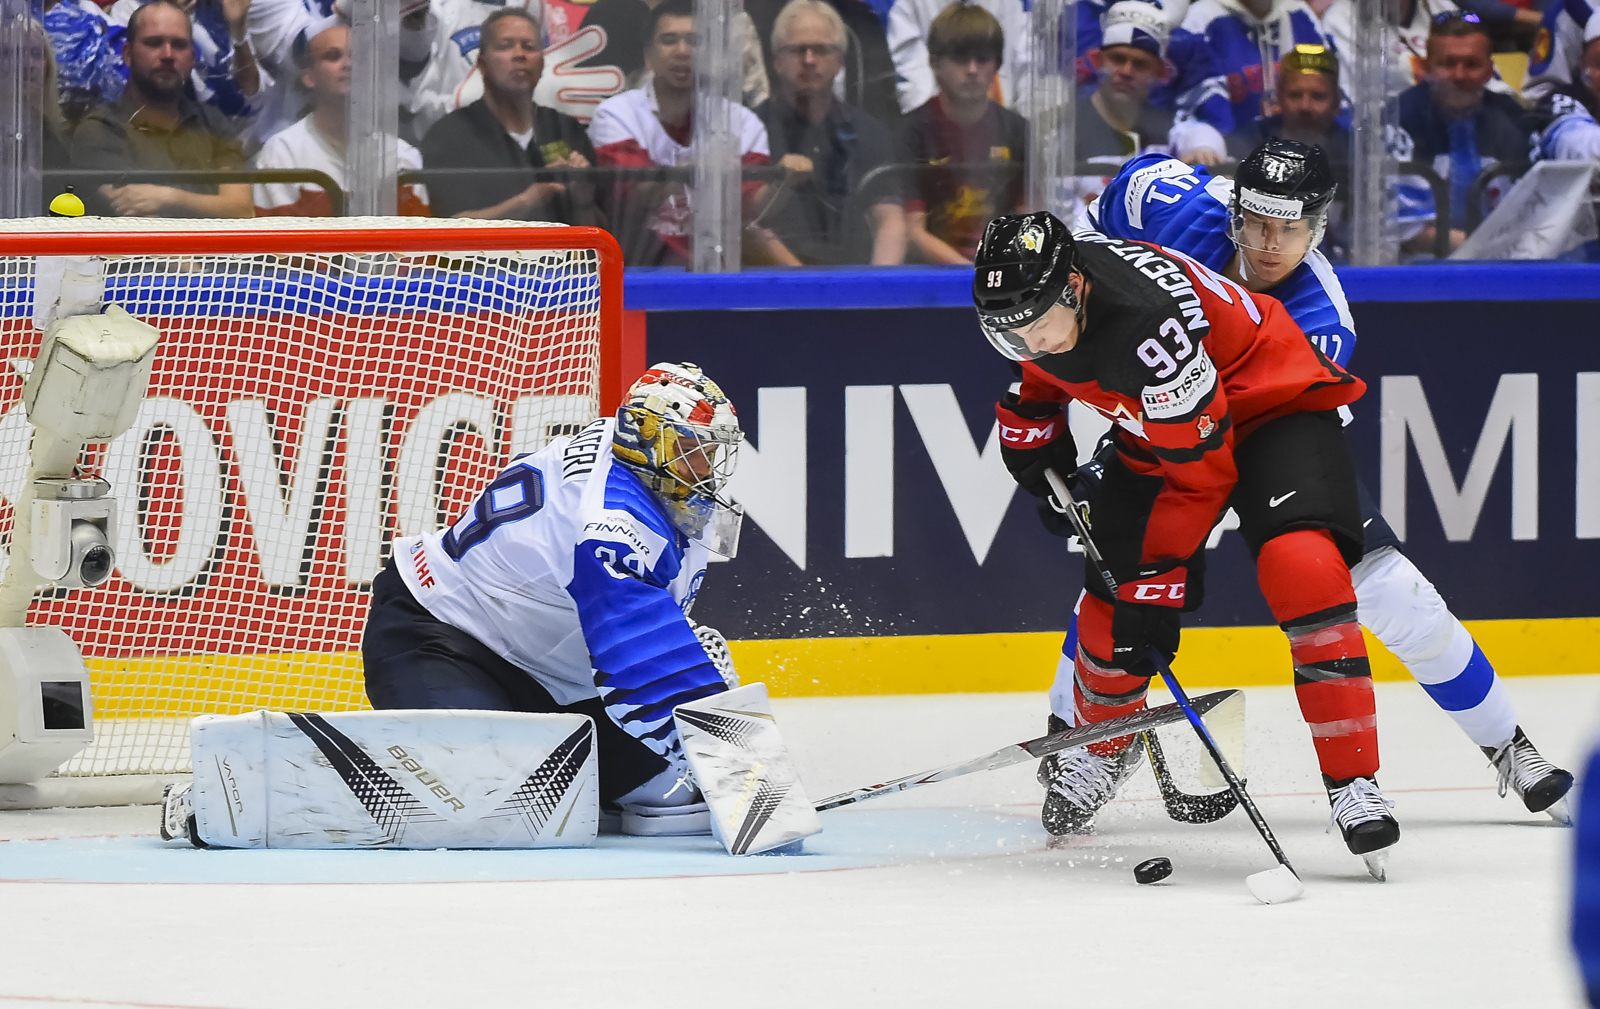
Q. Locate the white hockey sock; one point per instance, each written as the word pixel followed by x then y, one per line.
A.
pixel 1063 703
pixel 1404 611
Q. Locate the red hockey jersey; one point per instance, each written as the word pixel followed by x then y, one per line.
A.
pixel 1187 362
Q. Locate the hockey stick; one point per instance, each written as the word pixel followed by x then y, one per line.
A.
pixel 1016 753
pixel 1272 886
pixel 1181 805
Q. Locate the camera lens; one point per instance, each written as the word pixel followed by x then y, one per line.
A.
pixel 96 565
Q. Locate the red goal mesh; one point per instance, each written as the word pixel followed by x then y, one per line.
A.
pixel 315 394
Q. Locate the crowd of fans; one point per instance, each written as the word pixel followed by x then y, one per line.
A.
pixel 872 131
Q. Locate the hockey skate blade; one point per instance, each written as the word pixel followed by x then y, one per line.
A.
pixel 1560 811
pixel 1275 886
pixel 1377 864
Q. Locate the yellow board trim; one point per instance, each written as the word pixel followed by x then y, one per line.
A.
pixel 817 667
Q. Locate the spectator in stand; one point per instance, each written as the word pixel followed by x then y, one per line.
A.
pixel 156 125
pixel 1565 116
pixel 1192 86
pixel 1308 100
pixel 225 74
pixel 88 55
pixel 974 149
pixel 1117 120
pixel 1409 24
pixel 1557 57
pixel 821 212
pixel 910 31
pixel 1243 34
pixel 317 141
pixel 1455 121
pixel 650 127
pixel 505 130
pixel 868 82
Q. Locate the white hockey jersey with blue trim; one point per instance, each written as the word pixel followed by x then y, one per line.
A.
pixel 568 568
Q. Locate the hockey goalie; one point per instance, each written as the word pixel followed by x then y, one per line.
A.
pixel 533 669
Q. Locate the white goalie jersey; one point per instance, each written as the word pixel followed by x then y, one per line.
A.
pixel 567 567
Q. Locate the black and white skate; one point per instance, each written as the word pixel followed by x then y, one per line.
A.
pixel 1077 783
pixel 177 815
pixel 1362 815
pixel 1542 785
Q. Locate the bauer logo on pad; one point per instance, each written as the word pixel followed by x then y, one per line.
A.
pixel 743 770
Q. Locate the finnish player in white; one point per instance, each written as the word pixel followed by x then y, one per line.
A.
pixel 566 589
pixel 1262 228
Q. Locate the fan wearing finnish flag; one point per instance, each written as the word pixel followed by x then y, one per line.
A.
pixel 1262 228
pixel 564 590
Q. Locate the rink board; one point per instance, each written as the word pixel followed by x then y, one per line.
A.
pixel 878 558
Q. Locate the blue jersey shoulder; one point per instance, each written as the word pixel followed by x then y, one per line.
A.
pixel 1315 300
pixel 1157 198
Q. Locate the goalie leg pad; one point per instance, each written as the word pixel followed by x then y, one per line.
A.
pixel 739 761
pixel 395 779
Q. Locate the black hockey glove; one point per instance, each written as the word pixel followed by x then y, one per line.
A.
pixel 1146 616
pixel 1084 484
pixel 1034 437
pixel 1138 627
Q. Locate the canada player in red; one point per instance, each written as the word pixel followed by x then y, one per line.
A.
pixel 1220 400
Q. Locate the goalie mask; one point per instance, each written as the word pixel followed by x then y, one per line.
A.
pixel 1279 185
pixel 679 433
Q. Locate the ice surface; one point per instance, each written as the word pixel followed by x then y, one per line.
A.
pixel 944 896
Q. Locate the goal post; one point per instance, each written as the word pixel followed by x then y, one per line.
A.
pixel 320 387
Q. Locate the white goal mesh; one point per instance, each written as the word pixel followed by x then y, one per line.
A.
pixel 342 382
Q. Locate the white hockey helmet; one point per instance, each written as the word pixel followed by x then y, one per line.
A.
pixel 678 431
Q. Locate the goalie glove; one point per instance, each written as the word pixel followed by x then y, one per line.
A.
pixel 1034 437
pixel 716 647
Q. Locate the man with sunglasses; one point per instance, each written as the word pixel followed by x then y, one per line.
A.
pixel 1218 399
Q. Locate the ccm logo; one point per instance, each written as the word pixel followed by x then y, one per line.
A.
pixel 1151 592
pixel 1026 435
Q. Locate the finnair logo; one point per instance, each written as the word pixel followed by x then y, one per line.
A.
pixel 1270 206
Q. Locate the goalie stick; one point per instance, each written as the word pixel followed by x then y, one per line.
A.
pixel 1016 753
pixel 1271 886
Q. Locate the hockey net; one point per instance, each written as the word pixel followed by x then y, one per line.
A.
pixel 320 387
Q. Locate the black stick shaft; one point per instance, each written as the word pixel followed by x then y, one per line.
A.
pixel 1064 495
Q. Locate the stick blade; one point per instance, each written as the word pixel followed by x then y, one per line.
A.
pixel 1275 886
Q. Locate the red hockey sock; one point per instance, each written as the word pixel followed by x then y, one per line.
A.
pixel 1308 587
pixel 1100 690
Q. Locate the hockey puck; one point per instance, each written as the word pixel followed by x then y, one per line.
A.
pixel 1153 870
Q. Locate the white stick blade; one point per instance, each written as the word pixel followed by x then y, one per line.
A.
pixel 1226 722
pixel 1275 886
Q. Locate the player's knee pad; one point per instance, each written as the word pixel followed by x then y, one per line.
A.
pixel 385 779
pixel 1303 572
pixel 1401 608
